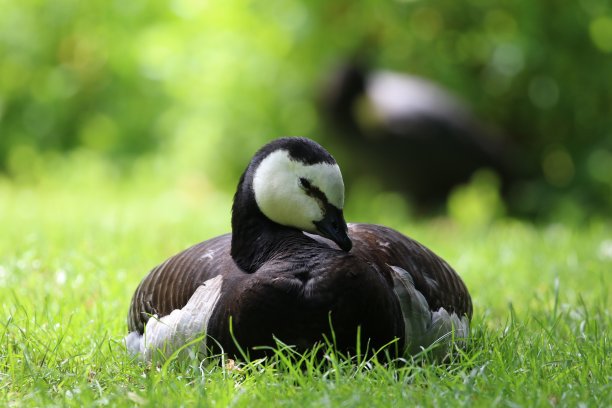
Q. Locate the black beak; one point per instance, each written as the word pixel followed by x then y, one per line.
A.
pixel 334 227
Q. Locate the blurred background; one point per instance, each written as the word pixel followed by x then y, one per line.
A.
pixel 470 108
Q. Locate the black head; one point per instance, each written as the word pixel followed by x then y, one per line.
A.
pixel 296 183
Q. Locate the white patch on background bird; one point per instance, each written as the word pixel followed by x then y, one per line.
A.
pixel 281 197
pixel 423 327
pixel 179 327
pixel 395 95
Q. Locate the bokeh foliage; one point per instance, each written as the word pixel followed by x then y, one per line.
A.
pixel 206 83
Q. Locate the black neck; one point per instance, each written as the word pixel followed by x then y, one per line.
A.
pixel 255 238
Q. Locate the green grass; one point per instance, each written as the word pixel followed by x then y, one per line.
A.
pixel 75 244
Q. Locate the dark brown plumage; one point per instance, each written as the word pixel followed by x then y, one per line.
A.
pixel 356 288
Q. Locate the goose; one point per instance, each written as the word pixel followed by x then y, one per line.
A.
pixel 293 270
pixel 410 126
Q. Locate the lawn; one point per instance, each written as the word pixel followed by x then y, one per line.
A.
pixel 77 237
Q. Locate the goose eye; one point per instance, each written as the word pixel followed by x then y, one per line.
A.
pixel 305 183
pixel 335 226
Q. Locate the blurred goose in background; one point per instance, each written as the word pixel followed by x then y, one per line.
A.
pixel 413 135
pixel 293 269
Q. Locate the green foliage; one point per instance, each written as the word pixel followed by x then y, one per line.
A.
pixel 208 82
pixel 75 244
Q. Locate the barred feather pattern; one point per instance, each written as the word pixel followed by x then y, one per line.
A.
pixel 170 285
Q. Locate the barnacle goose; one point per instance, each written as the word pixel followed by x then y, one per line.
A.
pixel 407 126
pixel 293 269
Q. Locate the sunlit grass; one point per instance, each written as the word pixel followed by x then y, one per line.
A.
pixel 77 240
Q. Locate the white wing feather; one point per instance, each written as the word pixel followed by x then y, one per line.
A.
pixel 422 326
pixel 169 333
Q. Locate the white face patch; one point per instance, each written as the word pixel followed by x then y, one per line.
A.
pixel 281 197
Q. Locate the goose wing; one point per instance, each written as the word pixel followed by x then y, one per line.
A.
pixel 439 284
pixel 170 286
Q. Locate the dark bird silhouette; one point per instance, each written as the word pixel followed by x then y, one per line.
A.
pixel 410 133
